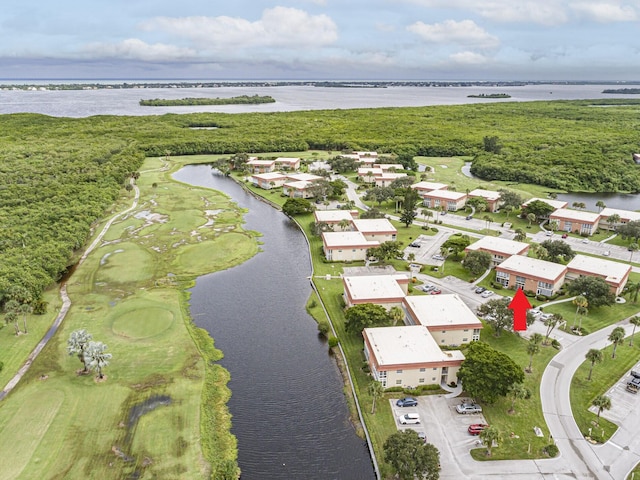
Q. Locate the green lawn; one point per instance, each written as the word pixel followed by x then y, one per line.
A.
pixel 58 424
pixel 604 376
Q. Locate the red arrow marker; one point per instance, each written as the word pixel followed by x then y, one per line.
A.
pixel 520 304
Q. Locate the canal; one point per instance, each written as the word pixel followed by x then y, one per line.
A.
pixel 290 414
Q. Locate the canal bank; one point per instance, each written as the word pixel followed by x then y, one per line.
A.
pixel 290 414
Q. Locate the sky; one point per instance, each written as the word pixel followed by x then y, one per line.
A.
pixel 321 39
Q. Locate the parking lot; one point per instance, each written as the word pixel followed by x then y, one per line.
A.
pixel 622 401
pixel 445 429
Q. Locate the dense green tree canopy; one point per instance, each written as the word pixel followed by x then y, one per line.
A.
pixel 364 316
pixel 557 251
pixel 538 208
pixel 411 457
pixel 456 244
pixel 487 374
pixel 595 289
pixel 297 206
pixel 477 261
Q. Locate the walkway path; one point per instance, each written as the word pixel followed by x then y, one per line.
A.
pixel 66 302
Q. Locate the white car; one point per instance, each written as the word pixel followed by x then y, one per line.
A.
pixel 409 419
pixel 607 253
pixel 486 294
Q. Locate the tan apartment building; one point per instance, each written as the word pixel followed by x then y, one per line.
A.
pixel 575 221
pixel 383 290
pixel 614 273
pixel 626 216
pixel 451 201
pixel 499 248
pixel 539 276
pixel 492 198
pixel 346 246
pixel 378 229
pixel 269 180
pixel 335 219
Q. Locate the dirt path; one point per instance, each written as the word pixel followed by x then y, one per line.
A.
pixel 66 302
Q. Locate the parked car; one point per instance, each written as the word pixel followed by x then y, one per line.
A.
pixel 422 436
pixel 549 233
pixel 480 289
pixel 407 402
pixel 444 212
pixel 465 408
pixel 486 294
pixel 606 253
pixel 427 287
pixel 565 235
pixel 414 245
pixel 476 428
pixel 409 419
pixel 435 291
pixel 536 313
pixel 469 217
pixel 438 257
pixel 585 240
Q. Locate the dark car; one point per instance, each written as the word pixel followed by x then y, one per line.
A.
pixel 414 245
pixel 476 428
pixel 469 217
pixel 407 402
pixel 480 289
pixel 564 235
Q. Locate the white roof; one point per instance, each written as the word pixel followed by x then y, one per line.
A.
pixel 533 267
pixel 298 185
pixel 441 310
pixel 390 175
pixel 624 214
pixel 308 177
pixel 347 239
pixel 269 176
pixel 255 161
pixel 613 272
pixel 498 244
pixel 387 166
pixel 373 225
pixel 553 203
pixel 446 194
pixel 576 215
pixel 369 171
pixel 430 186
pixel 366 287
pixel 488 194
pixel 330 216
pixel 406 345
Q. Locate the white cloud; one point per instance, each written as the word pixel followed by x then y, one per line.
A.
pixel 465 32
pixel 279 27
pixel 469 58
pixel 545 12
pixel 605 12
pixel 136 49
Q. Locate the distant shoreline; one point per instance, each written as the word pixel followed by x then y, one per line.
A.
pixel 239 100
pixel 489 95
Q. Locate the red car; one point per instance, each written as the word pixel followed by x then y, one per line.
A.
pixel 476 428
pixel 435 292
pixel 564 235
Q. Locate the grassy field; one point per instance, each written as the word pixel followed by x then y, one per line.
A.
pixel 129 294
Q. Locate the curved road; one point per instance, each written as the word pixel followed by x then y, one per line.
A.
pixel 66 302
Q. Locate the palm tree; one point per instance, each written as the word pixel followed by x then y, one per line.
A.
pixel 581 304
pixel 520 235
pixel 426 213
pixel 531 217
pixel 25 309
pixel 533 347
pixel 376 390
pixel 396 314
pixel 633 247
pixel 507 210
pixel 633 289
pixel 635 321
pixel 488 219
pixel 613 220
pixel 601 402
pixel 344 224
pixel 551 323
pixel 600 204
pixel 517 391
pixel 594 356
pixel 488 436
pixel 616 337
pixel 96 357
pixel 77 345
pixel 12 307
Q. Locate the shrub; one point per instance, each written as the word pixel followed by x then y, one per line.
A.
pixel 529 293
pixel 555 344
pixel 551 450
pixel 333 341
pixel 323 328
pixel 434 229
pixel 542 298
pixel 394 389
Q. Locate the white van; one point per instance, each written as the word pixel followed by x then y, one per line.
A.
pixel 409 419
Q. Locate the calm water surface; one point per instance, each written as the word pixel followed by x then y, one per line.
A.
pixel 289 413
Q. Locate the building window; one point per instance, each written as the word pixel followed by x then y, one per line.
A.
pixel 520 282
pixel 421 380
pixel 423 369
pixel 466 330
pixel 398 382
pixel 398 371
pixel 383 374
pixel 435 368
pixel 465 339
pixel 433 379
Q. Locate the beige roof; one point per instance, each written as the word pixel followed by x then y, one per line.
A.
pixel 368 287
pixel 613 272
pixel 374 225
pixel 533 267
pixel 445 194
pixel 624 214
pixel 430 186
pixel 347 239
pixel 331 216
pixel 269 176
pixel 287 160
pixel 441 310
pixel 297 185
pixel 255 161
pixel 499 245
pixel 406 345
pixel 387 166
pixel 488 194
pixel 369 171
pixel 308 177
pixel 554 203
pixel 576 215
pixel 390 176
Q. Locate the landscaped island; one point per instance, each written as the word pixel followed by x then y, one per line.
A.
pixel 632 91
pixel 489 95
pixel 239 100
